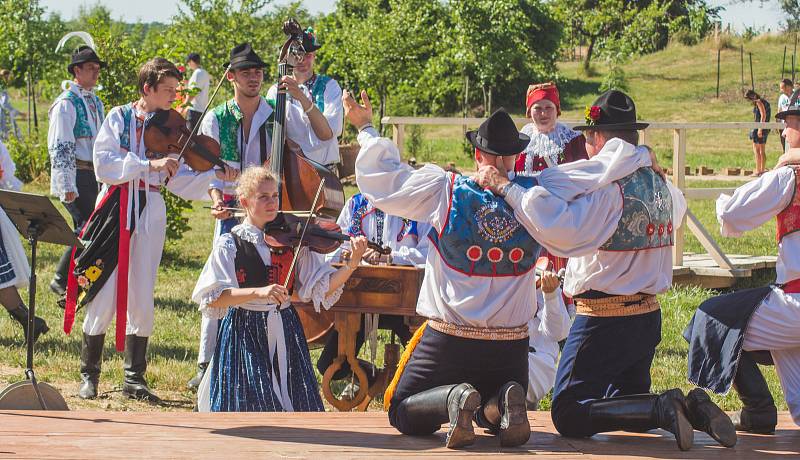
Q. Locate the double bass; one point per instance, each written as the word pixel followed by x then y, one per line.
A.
pixel 298 177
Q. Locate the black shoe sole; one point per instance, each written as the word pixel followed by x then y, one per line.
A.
pixel 710 419
pixel 515 429
pixel 462 433
pixel 684 432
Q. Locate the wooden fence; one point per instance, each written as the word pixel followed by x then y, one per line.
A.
pixel 679 131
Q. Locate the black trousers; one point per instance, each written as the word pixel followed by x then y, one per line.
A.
pixel 441 359
pixel 394 323
pixel 192 118
pixel 603 357
pixel 80 209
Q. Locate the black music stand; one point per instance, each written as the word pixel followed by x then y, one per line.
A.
pixel 37 219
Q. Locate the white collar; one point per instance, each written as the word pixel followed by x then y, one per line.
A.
pixel 249 233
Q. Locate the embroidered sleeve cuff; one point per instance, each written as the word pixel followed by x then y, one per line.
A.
pixel 319 298
pixel 514 195
pixel 366 135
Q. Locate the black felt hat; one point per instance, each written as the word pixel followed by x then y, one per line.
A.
pixel 82 55
pixel 243 57
pixel 498 135
pixel 310 42
pixel 612 110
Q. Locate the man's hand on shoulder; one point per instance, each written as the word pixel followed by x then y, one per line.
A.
pixel 490 178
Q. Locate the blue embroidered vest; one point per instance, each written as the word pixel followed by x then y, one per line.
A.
pixel 318 91
pixel 125 137
pixel 646 221
pixel 481 236
pixel 82 127
pixel 361 208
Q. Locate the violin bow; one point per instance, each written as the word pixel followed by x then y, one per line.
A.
pixel 205 110
pixel 303 233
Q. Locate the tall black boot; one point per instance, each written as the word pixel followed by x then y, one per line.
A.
pixel 759 414
pixel 91 357
pixel 135 365
pixel 20 314
pixel 505 414
pixel 453 403
pixel 644 412
pixel 708 417
pixel 59 283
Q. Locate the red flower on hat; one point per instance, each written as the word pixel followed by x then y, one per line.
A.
pixel 592 115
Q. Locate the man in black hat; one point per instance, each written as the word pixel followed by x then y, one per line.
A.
pixel 75 118
pixel 732 333
pixel 470 359
pixel 243 128
pixel 626 232
pixel 318 141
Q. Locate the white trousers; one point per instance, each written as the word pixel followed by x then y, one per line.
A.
pixel 147 246
pixel 775 326
pixel 209 327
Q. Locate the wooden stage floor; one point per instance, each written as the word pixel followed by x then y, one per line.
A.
pixel 149 435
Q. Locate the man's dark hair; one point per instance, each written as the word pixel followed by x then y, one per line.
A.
pixel 787 82
pixel 630 136
pixel 154 71
pixel 194 57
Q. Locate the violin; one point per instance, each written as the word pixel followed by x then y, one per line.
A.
pixel 321 236
pixel 166 133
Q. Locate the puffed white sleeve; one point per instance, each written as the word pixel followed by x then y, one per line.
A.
pixel 343 222
pixel 61 147
pixel 313 278
pixel 334 110
pixel 112 164
pixel 567 229
pixel 755 202
pixel 190 184
pixel 423 195
pixel 218 274
pixel 617 159
pixel 554 317
pixel 414 255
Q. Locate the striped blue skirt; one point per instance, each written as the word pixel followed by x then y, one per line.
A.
pixel 241 379
pixel 6 269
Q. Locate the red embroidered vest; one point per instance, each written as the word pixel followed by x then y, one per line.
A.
pixel 788 220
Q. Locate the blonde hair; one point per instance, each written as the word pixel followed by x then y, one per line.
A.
pixel 251 178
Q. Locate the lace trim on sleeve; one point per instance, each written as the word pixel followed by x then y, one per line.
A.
pixel 318 297
pixel 208 298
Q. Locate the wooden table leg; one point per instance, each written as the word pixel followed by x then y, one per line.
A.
pixel 347 325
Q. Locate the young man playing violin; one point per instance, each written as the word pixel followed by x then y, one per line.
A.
pixel 243 128
pixel 261 361
pixel 116 271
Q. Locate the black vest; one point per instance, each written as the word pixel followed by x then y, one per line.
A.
pixel 251 271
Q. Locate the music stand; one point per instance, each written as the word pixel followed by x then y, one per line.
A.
pixel 37 219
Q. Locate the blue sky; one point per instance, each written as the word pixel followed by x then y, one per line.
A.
pixel 739 15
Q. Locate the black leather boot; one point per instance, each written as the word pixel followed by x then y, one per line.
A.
pixel 506 416
pixel 708 417
pixel 135 365
pixel 644 412
pixel 91 357
pixel 195 382
pixel 759 414
pixel 59 283
pixel 20 314
pixel 454 403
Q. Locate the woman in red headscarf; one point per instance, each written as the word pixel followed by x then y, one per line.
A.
pixel 551 142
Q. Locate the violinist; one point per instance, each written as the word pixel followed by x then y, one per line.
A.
pixel 116 270
pixel 319 118
pixel 408 242
pixel 261 361
pixel 242 127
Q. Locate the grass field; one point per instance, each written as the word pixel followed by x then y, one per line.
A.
pixel 676 84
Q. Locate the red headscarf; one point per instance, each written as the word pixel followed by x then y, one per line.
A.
pixel 542 91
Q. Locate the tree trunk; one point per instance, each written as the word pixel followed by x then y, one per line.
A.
pixel 35 117
pixel 489 110
pixel 589 50
pixel 485 100
pixel 381 111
